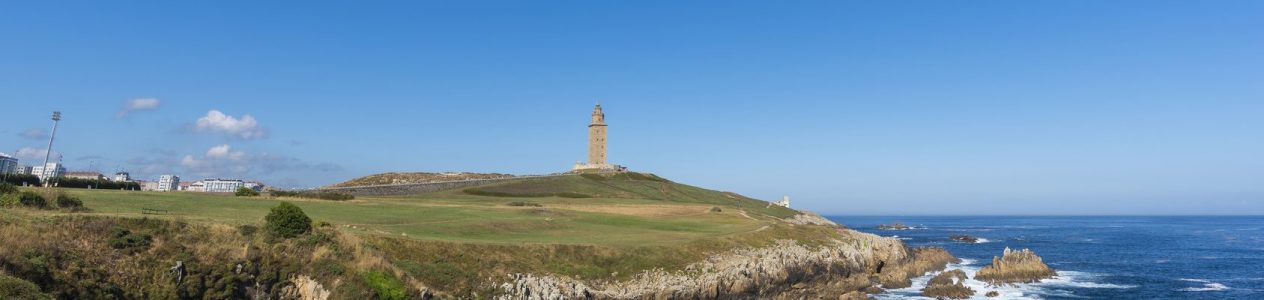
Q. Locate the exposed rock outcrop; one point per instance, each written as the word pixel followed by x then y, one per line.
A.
pixel 894 226
pixel 810 218
pixel 923 260
pixel 1015 267
pixel 948 285
pixel 964 238
pixel 304 288
pixel 856 261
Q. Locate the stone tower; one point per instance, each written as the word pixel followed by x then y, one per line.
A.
pixel 597 138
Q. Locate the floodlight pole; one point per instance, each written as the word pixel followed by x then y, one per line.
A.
pixel 49 151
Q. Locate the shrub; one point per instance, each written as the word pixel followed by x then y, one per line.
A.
pixel 287 220
pixel 68 182
pixel 64 201
pixel 22 179
pixel 385 285
pixel 246 192
pixel 572 195
pixel 16 288
pixel 524 203
pixel 7 188
pixel 23 198
pixel 123 239
pixel 716 209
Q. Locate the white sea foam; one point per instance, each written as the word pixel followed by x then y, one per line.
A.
pixel 1056 286
pixel 981 240
pixel 1208 286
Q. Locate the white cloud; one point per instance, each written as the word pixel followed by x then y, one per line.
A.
pixel 34 134
pixel 28 153
pixel 138 105
pixel 223 161
pixel 246 128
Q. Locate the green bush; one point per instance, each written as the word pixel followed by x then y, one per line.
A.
pixel 287 220
pixel 22 179
pixel 123 239
pixel 385 285
pixel 716 209
pixel 77 183
pixel 524 203
pixel 64 201
pixel 246 192
pixel 7 188
pixel 23 198
pixel 16 288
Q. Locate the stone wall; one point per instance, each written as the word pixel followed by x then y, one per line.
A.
pixel 422 188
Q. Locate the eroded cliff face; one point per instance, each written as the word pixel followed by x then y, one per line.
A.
pixel 853 261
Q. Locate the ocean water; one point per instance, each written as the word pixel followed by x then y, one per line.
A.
pixel 1099 257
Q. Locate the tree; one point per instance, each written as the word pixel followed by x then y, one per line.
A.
pixel 246 192
pixel 287 220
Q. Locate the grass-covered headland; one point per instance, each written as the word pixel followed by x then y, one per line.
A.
pixel 461 242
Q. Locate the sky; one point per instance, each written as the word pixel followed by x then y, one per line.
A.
pixel 849 108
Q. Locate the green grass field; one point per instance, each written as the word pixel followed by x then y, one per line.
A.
pixel 618 212
pixel 456 241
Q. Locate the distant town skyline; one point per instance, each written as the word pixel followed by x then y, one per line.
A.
pixel 1031 108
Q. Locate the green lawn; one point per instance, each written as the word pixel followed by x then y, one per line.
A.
pixel 456 216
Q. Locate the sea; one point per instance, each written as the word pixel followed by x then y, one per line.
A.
pixel 1098 257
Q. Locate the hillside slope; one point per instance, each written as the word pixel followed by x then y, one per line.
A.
pixel 626 235
pixel 415 177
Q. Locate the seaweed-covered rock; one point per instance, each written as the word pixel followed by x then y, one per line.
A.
pixel 1021 266
pixel 992 294
pixel 948 285
pixel 964 238
pixel 894 226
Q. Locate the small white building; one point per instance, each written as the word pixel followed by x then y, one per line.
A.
pixel 148 185
pixel 785 202
pixel 167 183
pixel 217 185
pixel 122 177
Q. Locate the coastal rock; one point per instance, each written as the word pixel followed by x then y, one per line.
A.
pixel 855 295
pixel 948 285
pixel 964 238
pixel 304 288
pixel 923 260
pixel 833 269
pixel 1021 266
pixel 810 218
pixel 894 226
pixel 992 294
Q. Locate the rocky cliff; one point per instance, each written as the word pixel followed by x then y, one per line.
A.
pixel 852 262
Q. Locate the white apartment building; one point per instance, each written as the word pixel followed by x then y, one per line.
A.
pixel 216 185
pixel 167 183
pixel 8 164
pixel 50 170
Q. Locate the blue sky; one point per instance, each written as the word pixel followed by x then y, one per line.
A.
pixel 917 107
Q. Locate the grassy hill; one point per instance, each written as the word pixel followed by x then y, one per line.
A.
pixel 590 226
pixel 415 177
